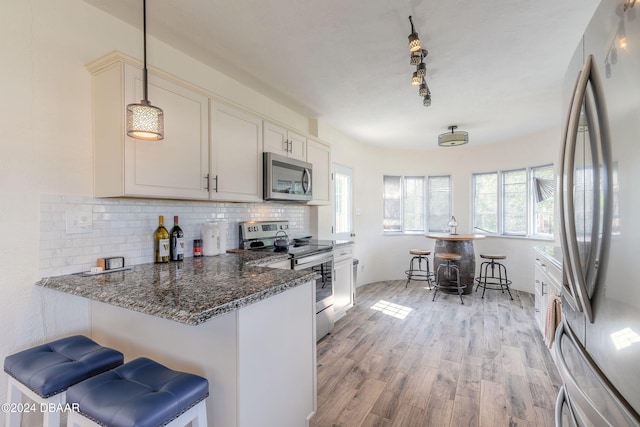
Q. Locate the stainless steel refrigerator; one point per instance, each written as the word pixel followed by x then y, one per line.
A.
pixel 598 343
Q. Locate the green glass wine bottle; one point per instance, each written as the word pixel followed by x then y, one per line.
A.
pixel 161 242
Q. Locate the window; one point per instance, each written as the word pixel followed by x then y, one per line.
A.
pixel 543 189
pixel 413 203
pixel 392 203
pixel 439 203
pixel 409 207
pixel 515 203
pixel 485 202
pixel 342 196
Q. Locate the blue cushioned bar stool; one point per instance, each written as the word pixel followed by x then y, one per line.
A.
pixel 140 393
pixel 496 280
pixel 448 267
pixel 45 372
pixel 420 273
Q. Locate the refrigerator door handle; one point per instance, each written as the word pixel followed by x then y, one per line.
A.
pixel 601 236
pixel 564 171
pixel 589 77
pixel 578 273
pixel 560 402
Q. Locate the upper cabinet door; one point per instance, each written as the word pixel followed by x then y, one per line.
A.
pixel 176 165
pixel 297 146
pixel 171 168
pixel 275 139
pixel 236 155
pixel 280 140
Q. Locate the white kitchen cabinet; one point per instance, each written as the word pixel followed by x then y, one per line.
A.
pixel 319 155
pixel 285 142
pixel 174 167
pixel 343 286
pixel 548 278
pixel 236 155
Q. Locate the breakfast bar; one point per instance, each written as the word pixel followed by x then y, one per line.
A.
pixel 247 328
pixel 461 244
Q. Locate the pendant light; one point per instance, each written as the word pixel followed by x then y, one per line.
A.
pixel 144 121
pixel 414 40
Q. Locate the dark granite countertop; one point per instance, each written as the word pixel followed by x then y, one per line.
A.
pixel 191 291
pixel 551 253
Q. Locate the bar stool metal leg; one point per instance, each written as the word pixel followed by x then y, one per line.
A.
pixel 420 273
pixel 496 280
pixel 448 267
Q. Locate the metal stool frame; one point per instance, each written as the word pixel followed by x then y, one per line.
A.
pixel 450 265
pixel 419 274
pixel 493 282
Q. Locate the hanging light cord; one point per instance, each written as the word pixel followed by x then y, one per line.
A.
pixel 144 37
pixel 413 30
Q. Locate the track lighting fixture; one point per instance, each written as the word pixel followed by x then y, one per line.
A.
pixel 418 54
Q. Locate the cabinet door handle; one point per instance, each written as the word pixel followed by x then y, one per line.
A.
pixel 543 285
pixel 216 178
pixel 286 145
pixel 290 146
pixel 206 177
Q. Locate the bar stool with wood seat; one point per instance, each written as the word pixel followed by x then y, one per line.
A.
pixel 45 372
pixel 140 393
pixel 419 274
pixel 496 280
pixel 450 259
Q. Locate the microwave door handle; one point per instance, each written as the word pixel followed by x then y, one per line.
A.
pixel 306 181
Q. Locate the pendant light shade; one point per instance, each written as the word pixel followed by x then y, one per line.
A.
pixel 416 79
pixel 144 121
pixel 414 40
pixel 453 138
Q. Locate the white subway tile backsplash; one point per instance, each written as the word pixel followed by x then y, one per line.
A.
pixel 124 227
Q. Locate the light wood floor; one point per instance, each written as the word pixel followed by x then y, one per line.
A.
pixel 483 363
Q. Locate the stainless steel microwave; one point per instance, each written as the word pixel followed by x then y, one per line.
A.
pixel 285 179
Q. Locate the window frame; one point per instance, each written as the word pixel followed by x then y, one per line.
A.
pixel 503 198
pixel 473 203
pixel 426 212
pixel 428 215
pixel 530 209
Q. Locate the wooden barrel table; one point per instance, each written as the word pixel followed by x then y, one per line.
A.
pixel 458 244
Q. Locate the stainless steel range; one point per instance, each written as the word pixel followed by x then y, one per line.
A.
pixel 304 253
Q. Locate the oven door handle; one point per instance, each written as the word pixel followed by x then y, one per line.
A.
pixel 311 261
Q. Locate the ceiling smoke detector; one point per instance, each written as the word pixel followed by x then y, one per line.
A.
pixel 453 138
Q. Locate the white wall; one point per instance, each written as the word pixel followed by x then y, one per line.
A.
pixel 46 149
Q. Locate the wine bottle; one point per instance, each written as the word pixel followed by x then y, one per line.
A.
pixel 161 242
pixel 177 241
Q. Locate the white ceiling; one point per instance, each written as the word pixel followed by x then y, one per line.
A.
pixel 494 67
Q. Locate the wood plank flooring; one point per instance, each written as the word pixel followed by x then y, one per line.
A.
pixel 399 359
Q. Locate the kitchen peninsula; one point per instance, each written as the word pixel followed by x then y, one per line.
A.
pixel 248 329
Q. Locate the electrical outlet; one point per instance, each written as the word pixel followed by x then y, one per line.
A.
pixel 78 219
